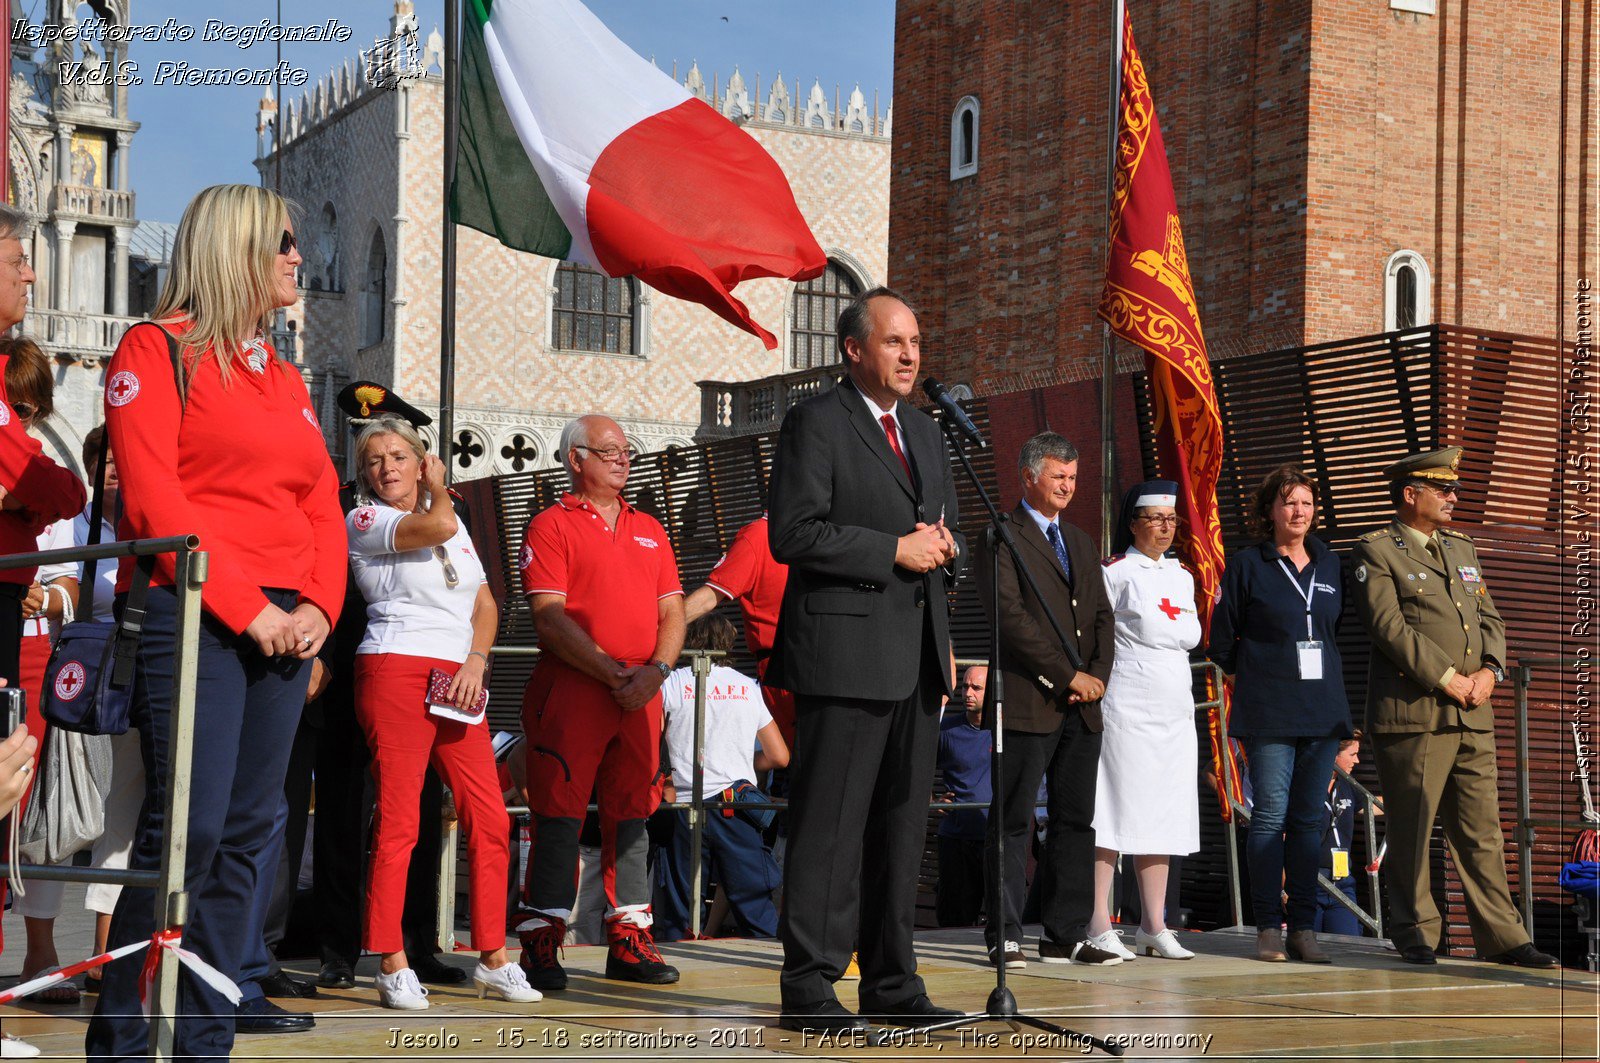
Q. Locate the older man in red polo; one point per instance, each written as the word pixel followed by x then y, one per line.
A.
pixel 603 586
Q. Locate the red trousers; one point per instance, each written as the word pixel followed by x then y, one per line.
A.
pixel 581 742
pixel 35 654
pixel 405 738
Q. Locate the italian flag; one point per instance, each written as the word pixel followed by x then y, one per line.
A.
pixel 574 147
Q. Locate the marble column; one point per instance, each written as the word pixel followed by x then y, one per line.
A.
pixel 122 234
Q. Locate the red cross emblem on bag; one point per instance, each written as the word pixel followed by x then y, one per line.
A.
pixel 70 681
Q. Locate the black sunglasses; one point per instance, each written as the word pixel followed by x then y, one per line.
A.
pixel 24 410
pixel 287 243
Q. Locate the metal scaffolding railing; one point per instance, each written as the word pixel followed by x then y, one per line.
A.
pixel 172 901
pixel 1527 822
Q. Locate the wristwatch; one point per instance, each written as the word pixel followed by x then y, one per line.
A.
pixel 664 668
pixel 1496 671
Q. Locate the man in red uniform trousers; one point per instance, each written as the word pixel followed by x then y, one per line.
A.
pixel 750 575
pixel 603 586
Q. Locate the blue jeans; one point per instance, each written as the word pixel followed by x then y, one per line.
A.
pixel 1289 777
pixel 246 710
pixel 734 857
pixel 1333 917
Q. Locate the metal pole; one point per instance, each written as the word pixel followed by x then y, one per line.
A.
pixel 172 902
pixel 1234 894
pixel 1375 864
pixel 1522 676
pixel 451 64
pixel 697 809
pixel 277 84
pixel 445 915
pixel 1108 366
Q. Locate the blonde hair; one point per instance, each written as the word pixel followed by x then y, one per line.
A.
pixel 223 279
pixel 384 425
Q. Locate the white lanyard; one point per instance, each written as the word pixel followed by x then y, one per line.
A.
pixel 1333 817
pixel 1283 566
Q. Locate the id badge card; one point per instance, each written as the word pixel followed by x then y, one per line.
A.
pixel 1341 864
pixel 1310 654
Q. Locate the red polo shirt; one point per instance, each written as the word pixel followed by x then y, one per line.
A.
pixel 612 580
pixel 749 573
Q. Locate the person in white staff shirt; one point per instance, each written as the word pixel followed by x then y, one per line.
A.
pixel 742 743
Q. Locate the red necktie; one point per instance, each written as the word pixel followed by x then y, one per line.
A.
pixel 894 443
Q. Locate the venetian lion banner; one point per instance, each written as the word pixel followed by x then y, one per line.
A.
pixel 1149 300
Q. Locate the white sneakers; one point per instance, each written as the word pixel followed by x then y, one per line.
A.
pixel 1110 942
pixel 402 991
pixel 507 982
pixel 16 1048
pixel 1164 944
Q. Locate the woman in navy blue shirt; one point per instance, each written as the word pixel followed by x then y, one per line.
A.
pixel 1273 629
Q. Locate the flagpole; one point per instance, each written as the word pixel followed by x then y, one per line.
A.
pixel 1108 458
pixel 451 66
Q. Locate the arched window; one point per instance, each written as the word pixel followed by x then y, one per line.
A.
pixel 374 291
pixel 964 138
pixel 817 304
pixel 593 312
pixel 328 251
pixel 1407 292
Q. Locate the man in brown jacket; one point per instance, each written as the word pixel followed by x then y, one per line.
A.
pixel 1439 649
pixel 1052 710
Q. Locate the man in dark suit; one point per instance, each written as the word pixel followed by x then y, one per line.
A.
pixel 864 514
pixel 1052 710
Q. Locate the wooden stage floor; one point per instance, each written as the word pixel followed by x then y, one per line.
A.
pixel 1221 1005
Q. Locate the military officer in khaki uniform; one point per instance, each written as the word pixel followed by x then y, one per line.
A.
pixel 1439 649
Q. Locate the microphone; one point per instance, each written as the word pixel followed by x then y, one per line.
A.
pixel 947 401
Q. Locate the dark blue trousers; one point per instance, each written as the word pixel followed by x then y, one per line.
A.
pixel 1333 917
pixel 735 859
pixel 246 710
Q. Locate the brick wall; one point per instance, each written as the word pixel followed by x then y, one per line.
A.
pixel 1308 141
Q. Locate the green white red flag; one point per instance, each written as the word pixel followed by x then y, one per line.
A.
pixel 574 147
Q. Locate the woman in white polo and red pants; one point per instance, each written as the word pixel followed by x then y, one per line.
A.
pixel 429 611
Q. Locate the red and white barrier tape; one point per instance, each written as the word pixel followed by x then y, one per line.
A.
pixel 170 939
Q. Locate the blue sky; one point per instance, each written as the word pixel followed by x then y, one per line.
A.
pixel 197 136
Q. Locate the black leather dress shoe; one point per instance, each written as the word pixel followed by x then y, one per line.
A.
pixel 1419 954
pixel 433 971
pixel 918 1011
pixel 260 1015
pixel 279 984
pixel 823 1016
pixel 336 974
pixel 1525 955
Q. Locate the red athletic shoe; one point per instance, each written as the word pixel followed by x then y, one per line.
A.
pixel 633 956
pixel 541 939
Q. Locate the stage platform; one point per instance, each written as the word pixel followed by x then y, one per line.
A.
pixel 1221 1005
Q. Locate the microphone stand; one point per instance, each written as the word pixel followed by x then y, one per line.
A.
pixel 1002 1005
